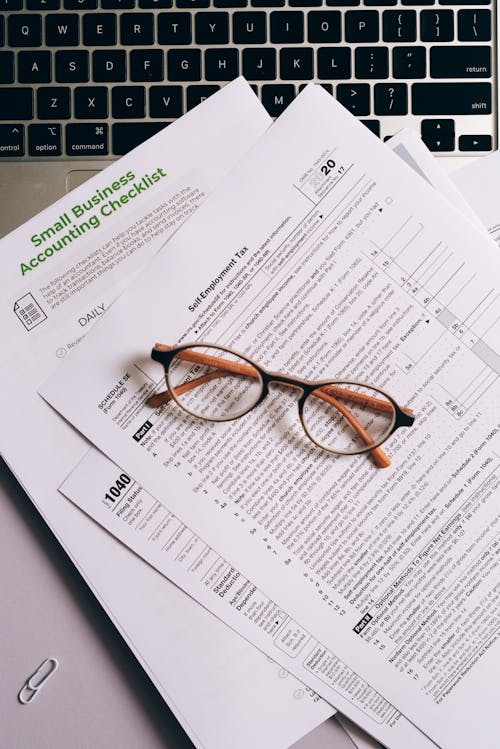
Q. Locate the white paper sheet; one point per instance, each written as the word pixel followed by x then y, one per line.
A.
pixel 479 184
pixel 364 229
pixel 45 312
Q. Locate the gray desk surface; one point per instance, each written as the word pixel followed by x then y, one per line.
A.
pixel 100 698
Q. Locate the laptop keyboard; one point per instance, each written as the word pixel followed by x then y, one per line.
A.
pixel 94 78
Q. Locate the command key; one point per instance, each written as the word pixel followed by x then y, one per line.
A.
pixel 87 139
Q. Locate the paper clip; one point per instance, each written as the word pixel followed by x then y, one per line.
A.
pixel 36 681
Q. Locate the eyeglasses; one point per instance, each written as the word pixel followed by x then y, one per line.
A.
pixel 216 384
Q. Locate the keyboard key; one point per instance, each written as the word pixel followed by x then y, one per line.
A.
pixel 373 125
pixel 355 97
pixel 193 3
pixel 371 62
pixel 25 30
pixel 91 102
pixel 327 86
pixel 362 26
pixel 343 3
pixel 287 27
pixel 117 4
pixel 128 102
pixel 259 64
pixel 464 2
pixel 165 101
pixel 334 63
pixel 174 28
pixel 61 30
pixel 296 64
pixel 44 140
pixel 11 5
pixel 212 28
pixel 16 103
pixel 437 128
pixel 276 97
pixel 451 98
pixel 2 31
pixel 155 3
pixel 53 103
pixel 305 3
pixel 43 4
pixel 474 25
pixel 221 64
pixel 87 139
pixel 417 2
pixel 380 2
pixel 446 143
pixel 33 67
pixel 11 140
pixel 391 98
pixel 230 3
pixel 146 65
pixel 109 66
pixel 268 3
pixel 475 143
pixel 72 67
pixel 80 4
pixel 197 94
pixel 409 62
pixel 249 27
pixel 184 64
pixel 6 67
pixel 323 26
pixel 136 28
pixel 460 61
pixel 99 29
pixel 399 25
pixel 436 25
pixel 128 135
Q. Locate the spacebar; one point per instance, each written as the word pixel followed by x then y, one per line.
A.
pixel 451 98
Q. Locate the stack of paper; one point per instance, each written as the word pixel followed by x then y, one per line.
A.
pixel 321 255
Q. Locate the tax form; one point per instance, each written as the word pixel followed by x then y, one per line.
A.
pixel 59 272
pixel 478 183
pixel 345 264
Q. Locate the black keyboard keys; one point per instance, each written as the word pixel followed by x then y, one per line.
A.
pixel 174 28
pixel 6 67
pixel 287 27
pixel 196 94
pixel 165 101
pixel 109 66
pixel 436 25
pixel 259 64
pixel 372 62
pixel 460 61
pixel 323 26
pixel 355 97
pixel 24 30
pixel 362 26
pixel 61 30
pixel 334 63
pixel 128 135
pixel 34 66
pixel 184 64
pixel 11 140
pixel 438 128
pixel 99 29
pixel 44 140
pixel 399 25
pixel 276 97
pixel 91 102
pixel 221 64
pixel 136 28
pixel 474 25
pixel 296 64
pixel 391 98
pixel 146 65
pixel 409 62
pixel 128 102
pixel 249 27
pixel 87 139
pixel 475 143
pixel 72 67
pixel 53 103
pixel 212 28
pixel 16 103
pixel 451 98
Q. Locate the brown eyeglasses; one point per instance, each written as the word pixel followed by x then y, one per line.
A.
pixel 217 384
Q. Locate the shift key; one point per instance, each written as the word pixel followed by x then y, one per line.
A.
pixel 451 98
pixel 87 139
pixel 460 61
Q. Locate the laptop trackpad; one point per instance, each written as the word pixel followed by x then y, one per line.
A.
pixel 78 177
